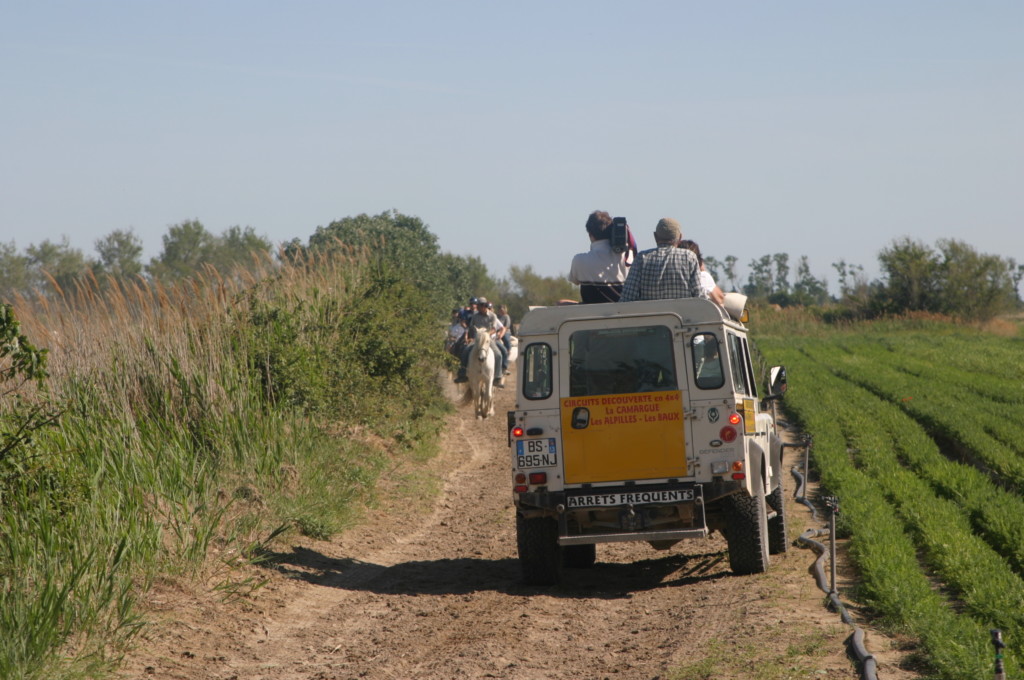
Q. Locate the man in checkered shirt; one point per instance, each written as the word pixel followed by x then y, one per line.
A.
pixel 666 271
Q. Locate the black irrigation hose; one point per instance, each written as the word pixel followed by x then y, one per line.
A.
pixel 818 568
pixel 868 664
pixel 799 476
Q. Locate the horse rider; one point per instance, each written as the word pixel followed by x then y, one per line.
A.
pixel 486 319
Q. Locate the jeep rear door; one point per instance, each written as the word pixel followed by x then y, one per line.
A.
pixel 621 400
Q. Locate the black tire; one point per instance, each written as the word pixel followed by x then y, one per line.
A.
pixel 746 532
pixel 778 542
pixel 540 556
pixel 579 556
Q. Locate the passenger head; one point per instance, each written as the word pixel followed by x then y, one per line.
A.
pixel 598 224
pixel 692 246
pixel 668 232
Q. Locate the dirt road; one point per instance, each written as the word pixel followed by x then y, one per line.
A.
pixel 433 591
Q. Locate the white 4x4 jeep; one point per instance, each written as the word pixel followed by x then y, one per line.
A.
pixel 641 421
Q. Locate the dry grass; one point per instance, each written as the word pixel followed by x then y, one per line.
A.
pixel 136 325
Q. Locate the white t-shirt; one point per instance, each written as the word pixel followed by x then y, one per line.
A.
pixel 599 273
pixel 600 265
pixel 707 281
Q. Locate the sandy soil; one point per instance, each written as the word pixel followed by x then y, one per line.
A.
pixel 430 589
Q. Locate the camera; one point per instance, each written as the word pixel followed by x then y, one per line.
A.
pixel 619 235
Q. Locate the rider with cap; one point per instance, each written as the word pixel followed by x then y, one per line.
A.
pixel 469 310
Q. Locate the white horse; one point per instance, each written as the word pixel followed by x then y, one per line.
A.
pixel 481 373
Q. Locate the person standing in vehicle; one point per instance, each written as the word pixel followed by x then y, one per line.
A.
pixel 666 271
pixel 706 279
pixel 601 271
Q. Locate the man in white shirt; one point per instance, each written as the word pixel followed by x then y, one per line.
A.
pixel 600 272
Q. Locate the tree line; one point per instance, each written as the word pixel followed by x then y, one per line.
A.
pixel 188 248
pixel 951 278
pixel 402 247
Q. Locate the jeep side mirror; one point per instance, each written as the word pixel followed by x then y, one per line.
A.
pixel 776 382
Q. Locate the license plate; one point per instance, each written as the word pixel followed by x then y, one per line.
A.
pixel 535 453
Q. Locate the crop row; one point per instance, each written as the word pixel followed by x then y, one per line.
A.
pixel 990 405
pixel 979 365
pixel 871 452
pixel 972 426
pixel 996 512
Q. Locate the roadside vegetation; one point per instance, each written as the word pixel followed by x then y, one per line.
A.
pixel 914 429
pixel 157 429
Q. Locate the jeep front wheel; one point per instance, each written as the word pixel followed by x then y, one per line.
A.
pixel 540 556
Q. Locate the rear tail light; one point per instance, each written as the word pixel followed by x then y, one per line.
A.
pixel 737 470
pixel 727 434
pixel 517 432
pixel 534 479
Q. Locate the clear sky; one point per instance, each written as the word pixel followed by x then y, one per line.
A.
pixel 809 127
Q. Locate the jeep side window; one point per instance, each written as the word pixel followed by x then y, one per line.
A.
pixel 621 361
pixel 749 365
pixel 739 376
pixel 707 361
pixel 739 363
pixel 537 371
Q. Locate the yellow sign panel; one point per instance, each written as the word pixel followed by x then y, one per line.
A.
pixel 749 415
pixel 620 437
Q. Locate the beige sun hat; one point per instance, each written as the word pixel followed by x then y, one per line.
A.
pixel 734 304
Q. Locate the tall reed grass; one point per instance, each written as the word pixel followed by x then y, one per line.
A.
pixel 198 420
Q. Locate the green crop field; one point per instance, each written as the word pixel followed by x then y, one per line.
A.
pixel 916 429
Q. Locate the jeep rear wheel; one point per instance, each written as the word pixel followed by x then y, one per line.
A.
pixel 579 556
pixel 777 540
pixel 540 556
pixel 746 532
